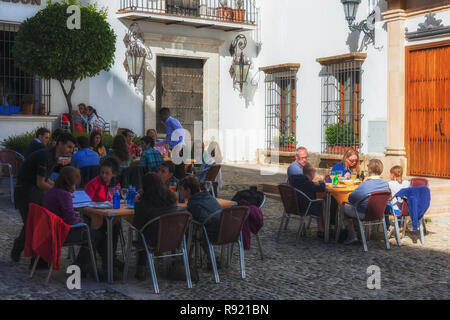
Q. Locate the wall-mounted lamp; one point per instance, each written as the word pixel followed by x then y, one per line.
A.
pixel 367 26
pixel 135 54
pixel 241 64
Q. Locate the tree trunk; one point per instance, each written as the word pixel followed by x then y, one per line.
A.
pixel 68 96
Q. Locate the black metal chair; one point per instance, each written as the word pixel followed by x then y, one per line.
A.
pixel 87 174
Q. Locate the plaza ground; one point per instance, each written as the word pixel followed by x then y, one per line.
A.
pixel 310 269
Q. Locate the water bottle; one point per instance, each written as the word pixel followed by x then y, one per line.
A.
pixel 132 196
pixel 335 179
pixel 116 199
pixel 130 187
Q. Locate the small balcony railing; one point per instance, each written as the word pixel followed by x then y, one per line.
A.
pixel 232 11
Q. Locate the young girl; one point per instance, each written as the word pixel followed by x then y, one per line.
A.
pixel 98 187
pixel 396 184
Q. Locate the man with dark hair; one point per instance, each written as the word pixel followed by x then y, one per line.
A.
pixel 133 147
pixel 55 134
pixel 33 180
pixel 150 157
pixel 39 142
pixel 166 172
pixel 171 124
pixel 84 157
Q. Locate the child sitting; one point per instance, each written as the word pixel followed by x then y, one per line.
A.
pixel 97 188
pixel 396 184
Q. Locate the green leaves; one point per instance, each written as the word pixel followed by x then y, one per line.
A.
pixel 286 140
pixel 341 134
pixel 19 143
pixel 46 47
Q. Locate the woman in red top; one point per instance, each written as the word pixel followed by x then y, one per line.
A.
pixel 97 188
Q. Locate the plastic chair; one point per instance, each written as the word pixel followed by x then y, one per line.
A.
pixel 71 245
pixel 291 209
pixel 374 214
pixel 405 217
pixel 230 231
pixel 416 182
pixel 106 127
pixel 171 237
pixel 210 178
pixel 65 122
pixel 10 162
pixel 256 235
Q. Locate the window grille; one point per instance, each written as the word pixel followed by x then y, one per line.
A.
pixel 281 105
pixel 14 83
pixel 341 106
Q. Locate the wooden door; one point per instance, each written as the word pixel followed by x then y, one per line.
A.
pixel 179 87
pixel 428 109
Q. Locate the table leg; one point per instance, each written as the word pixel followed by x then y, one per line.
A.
pixel 109 235
pixel 326 216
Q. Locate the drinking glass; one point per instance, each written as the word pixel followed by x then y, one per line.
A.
pixel 340 173
pixel 173 186
pixel 332 174
pixel 353 176
pixel 124 193
pixel 111 193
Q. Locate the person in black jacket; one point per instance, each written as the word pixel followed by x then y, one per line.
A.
pixel 201 204
pixel 155 201
pixel 309 183
pixel 39 142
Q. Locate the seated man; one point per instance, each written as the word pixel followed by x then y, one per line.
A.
pixel 151 157
pixel 371 184
pixel 301 157
pixel 307 183
pixel 166 173
pixel 39 142
pixel 84 157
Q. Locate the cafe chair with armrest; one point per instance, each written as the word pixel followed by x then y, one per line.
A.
pixel 405 217
pixel 211 176
pixel 416 182
pixel 87 174
pixel 230 231
pixel 10 162
pixel 85 227
pixel 374 214
pixel 291 209
pixel 170 238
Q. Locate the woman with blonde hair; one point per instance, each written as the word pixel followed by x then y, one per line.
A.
pixel 396 184
pixel 349 164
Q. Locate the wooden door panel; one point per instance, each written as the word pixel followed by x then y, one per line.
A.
pixel 180 88
pixel 427 109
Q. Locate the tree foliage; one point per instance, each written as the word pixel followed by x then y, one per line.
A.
pixel 45 46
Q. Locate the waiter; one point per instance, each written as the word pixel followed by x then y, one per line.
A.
pixel 33 180
pixel 172 124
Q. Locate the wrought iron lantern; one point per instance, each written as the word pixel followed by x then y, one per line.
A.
pixel 367 26
pixel 136 53
pixel 241 64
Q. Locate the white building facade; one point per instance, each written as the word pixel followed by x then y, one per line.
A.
pixel 309 71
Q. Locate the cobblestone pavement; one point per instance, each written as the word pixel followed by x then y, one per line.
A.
pixel 309 269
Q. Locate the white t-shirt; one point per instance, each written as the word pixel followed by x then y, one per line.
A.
pixel 396 187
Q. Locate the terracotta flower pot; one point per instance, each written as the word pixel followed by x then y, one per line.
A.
pixel 238 15
pixel 29 108
pixel 335 149
pixel 287 147
pixel 224 13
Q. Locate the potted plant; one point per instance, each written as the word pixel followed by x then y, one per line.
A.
pixel 287 143
pixel 239 12
pixel 28 103
pixel 224 12
pixel 340 137
pixel 41 109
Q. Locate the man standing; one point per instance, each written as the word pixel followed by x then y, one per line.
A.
pixel 33 180
pixel 301 158
pixel 172 125
pixel 39 142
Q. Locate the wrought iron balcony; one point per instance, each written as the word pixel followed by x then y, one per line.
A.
pixel 230 15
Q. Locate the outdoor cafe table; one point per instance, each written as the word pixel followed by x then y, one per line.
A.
pixel 98 215
pixel 340 193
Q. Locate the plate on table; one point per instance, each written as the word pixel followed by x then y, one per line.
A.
pixel 348 182
pixel 340 186
pixel 102 206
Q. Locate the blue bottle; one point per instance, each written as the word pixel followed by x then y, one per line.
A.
pixel 116 199
pixel 132 194
pixel 130 189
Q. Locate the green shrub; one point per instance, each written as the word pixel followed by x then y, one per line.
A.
pixel 20 142
pixel 286 140
pixel 107 141
pixel 341 134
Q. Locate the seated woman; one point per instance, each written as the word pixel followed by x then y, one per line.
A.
pixel 371 184
pixel 198 150
pixel 120 150
pixel 58 200
pixel 306 183
pixel 151 157
pixel 350 162
pixel 96 144
pixel 152 133
pixel 94 123
pixel 97 189
pixel 80 116
pixel 155 201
